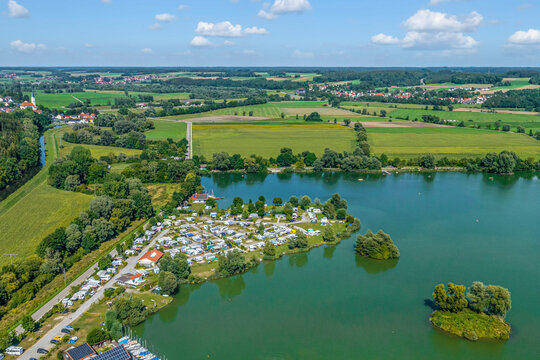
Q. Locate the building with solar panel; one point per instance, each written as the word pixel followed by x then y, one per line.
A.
pixel 117 353
pixel 80 352
pixel 86 352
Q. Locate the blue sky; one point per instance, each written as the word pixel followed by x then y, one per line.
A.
pixel 272 33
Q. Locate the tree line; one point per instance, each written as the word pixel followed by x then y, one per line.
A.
pixel 19 148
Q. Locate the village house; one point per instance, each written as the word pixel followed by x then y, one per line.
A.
pixel 151 258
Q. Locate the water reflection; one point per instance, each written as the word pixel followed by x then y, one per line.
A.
pixel 169 313
pixel 375 266
pixel 298 260
pixel 329 252
pixel 231 287
pixel 429 177
pixel 269 267
pixel 445 343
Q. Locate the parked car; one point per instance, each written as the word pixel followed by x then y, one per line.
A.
pixel 65 330
pixel 57 338
pixel 42 351
pixel 69 327
pixel 54 341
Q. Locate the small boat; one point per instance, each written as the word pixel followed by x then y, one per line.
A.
pixel 360 179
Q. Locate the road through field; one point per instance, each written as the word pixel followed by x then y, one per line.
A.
pixel 189 135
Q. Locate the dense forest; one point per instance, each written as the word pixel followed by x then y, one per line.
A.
pixel 515 99
pixel 19 147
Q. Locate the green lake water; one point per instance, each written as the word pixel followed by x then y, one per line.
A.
pixel 332 304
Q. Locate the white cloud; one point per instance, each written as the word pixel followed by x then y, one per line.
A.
pixel 280 7
pixel 249 52
pixel 438 2
pixel 427 20
pixel 200 41
pixel 229 43
pixel 165 17
pixel 17 10
pixel 183 7
pixel 155 27
pixel 529 37
pixel 106 1
pixel 27 48
pixel 437 31
pixel 88 45
pixel 146 51
pixel 224 29
pixel 302 55
pixel 382 39
pixel 227 29
pixel 438 41
pixel 255 31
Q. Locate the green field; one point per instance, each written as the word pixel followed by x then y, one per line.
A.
pixel 473 118
pixel 65 99
pixel 267 140
pixel 165 129
pixel 36 209
pixel 452 142
pixel 271 110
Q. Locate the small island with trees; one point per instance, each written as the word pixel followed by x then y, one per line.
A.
pixel 477 315
pixel 377 246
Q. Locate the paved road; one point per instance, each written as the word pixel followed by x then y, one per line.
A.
pixel 189 135
pixel 44 341
pixel 61 295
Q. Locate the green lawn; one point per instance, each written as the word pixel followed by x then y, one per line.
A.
pixel 473 118
pixel 165 129
pixel 267 140
pixel 452 142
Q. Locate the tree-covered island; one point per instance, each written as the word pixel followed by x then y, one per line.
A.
pixel 475 315
pixel 377 246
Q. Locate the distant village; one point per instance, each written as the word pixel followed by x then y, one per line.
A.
pixel 7 104
pixel 396 93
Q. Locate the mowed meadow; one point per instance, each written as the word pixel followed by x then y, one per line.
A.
pixel 167 129
pixel 452 142
pixel 267 140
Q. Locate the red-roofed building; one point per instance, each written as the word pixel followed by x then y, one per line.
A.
pixel 151 258
pixel 27 105
pixel 200 197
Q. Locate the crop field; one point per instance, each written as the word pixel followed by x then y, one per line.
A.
pixel 452 142
pixel 165 129
pixel 35 216
pixel 474 118
pixel 267 140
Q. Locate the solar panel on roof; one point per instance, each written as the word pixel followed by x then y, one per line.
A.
pixel 81 351
pixel 118 353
